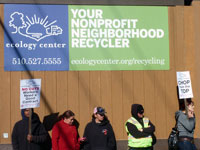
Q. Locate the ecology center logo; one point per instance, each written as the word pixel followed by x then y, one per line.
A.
pixel 35 28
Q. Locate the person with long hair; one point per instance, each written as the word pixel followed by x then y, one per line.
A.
pixel 98 133
pixel 65 134
pixel 185 125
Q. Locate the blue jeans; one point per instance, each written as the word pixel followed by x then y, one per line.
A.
pixel 186 145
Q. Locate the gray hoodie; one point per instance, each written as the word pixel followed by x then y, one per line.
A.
pixel 185 125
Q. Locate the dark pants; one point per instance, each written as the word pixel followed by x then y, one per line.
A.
pixel 186 145
pixel 140 148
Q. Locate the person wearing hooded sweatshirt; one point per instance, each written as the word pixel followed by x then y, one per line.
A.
pixel 139 129
pixel 22 140
pixel 186 125
pixel 99 133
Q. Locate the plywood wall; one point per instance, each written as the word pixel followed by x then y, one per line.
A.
pixel 81 91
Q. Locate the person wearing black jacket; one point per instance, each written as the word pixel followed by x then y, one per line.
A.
pixel 140 133
pixel 22 140
pixel 98 133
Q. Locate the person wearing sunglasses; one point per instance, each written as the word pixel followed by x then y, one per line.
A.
pixel 139 129
pixel 99 133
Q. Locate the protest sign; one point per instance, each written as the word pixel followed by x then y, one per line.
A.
pixel 184 85
pixel 30 93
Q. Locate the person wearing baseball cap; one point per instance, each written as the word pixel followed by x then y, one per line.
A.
pixel 139 130
pixel 99 133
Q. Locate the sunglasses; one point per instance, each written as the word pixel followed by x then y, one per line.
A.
pixel 101 114
pixel 141 112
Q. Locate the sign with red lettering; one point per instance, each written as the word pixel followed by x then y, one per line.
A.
pixel 184 85
pixel 30 93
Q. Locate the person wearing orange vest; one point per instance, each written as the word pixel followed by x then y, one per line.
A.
pixel 139 129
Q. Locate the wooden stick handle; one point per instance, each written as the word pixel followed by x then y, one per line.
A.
pixel 186 108
pixel 30 120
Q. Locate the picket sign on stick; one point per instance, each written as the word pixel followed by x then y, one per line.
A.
pixel 30 96
pixel 184 86
pixel 30 120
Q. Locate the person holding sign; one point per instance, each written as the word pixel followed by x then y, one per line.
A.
pixel 22 140
pixel 185 125
pixel 64 133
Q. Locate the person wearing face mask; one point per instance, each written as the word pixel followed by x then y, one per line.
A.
pixel 22 140
pixel 185 125
pixel 99 133
pixel 139 129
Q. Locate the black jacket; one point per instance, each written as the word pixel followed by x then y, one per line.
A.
pixel 20 132
pixel 99 136
pixel 133 129
pixel 138 134
pixel 146 131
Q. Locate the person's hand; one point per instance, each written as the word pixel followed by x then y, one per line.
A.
pixel 29 137
pixel 191 109
pixel 82 139
pixel 141 130
pixel 190 114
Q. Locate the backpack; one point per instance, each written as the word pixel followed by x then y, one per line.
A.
pixel 173 138
pixel 47 144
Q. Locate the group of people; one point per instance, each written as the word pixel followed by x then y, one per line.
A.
pixel 99 134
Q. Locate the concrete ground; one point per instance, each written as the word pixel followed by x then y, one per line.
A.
pixel 122 145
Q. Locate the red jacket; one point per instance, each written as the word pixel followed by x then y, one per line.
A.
pixel 65 137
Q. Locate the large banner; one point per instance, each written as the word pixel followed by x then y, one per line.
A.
pixel 78 37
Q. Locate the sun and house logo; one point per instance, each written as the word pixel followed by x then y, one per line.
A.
pixel 36 38
pixel 35 28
